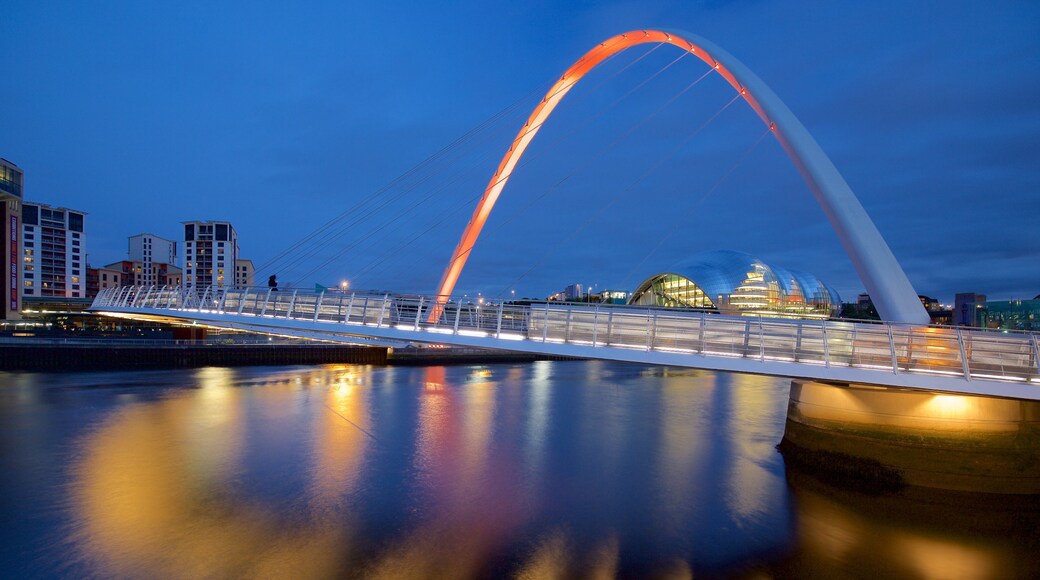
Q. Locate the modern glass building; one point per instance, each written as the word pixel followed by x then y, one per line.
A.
pixel 733 282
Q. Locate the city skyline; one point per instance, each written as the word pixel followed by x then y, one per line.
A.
pixel 209 114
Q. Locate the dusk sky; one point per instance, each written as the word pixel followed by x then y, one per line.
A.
pixel 279 118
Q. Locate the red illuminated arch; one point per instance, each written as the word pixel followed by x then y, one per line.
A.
pixel 889 288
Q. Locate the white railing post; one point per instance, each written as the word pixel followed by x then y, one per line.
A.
pixel 147 295
pixel 1036 354
pixel 418 313
pixel 595 325
pixel 964 357
pixel 610 326
pixel 223 300
pixel 892 349
pixel 567 324
pixel 266 300
pixel 651 328
pixel 292 303
pixel 458 315
pixel 317 305
pixel 350 308
pixel 545 323
pixel 761 340
pixel 382 311
pixel 703 333
pixel 364 311
pixel 826 346
pixel 242 301
pixel 498 325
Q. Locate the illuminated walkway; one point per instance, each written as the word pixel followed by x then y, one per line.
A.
pixel 925 357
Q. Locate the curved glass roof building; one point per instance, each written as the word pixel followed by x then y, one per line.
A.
pixel 733 282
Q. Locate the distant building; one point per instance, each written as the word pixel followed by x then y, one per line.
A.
pixel 11 180
pixel 150 250
pixel 1008 314
pixel 737 283
pixel 244 273
pixel 964 306
pixel 613 297
pixel 134 273
pixel 99 279
pixel 570 293
pixel 210 254
pixel 54 247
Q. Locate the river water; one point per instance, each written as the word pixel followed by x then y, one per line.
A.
pixel 548 469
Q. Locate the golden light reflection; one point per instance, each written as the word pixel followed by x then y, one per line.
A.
pixel 753 488
pixel 684 440
pixel 340 440
pixel 144 507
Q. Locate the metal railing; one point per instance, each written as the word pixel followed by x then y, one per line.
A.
pixel 886 347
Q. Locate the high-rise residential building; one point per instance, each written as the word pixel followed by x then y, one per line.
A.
pixel 11 178
pixel 210 254
pixel 54 248
pixel 244 273
pixel 151 251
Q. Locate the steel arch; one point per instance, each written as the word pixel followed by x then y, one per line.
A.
pixel 891 291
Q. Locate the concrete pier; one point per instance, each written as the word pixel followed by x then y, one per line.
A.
pixel 919 438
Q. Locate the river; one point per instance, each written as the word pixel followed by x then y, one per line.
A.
pixel 547 469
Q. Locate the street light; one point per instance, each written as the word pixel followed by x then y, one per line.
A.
pixel 343 286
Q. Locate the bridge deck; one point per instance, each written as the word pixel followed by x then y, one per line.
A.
pixel 936 358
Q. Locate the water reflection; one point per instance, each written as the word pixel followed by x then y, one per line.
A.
pixel 552 469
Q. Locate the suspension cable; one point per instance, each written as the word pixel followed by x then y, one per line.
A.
pixel 699 200
pixel 619 195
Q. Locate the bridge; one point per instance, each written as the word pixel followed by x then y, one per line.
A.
pixel 942 359
pixel 906 352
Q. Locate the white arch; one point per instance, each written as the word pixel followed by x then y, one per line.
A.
pixel 889 288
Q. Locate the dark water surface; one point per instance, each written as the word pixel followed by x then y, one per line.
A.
pixel 536 470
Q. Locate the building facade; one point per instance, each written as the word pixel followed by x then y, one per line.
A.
pixel 244 273
pixel 99 279
pixel 151 250
pixel 210 254
pixel 11 181
pixel 54 248
pixel 134 273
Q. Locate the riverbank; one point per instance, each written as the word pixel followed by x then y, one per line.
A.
pixel 56 355
pixel 106 355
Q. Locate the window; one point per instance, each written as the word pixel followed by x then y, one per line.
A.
pixel 28 283
pixel 75 236
pixel 104 277
pixel 28 245
pixel 29 275
pixel 75 271
pixel 75 280
pixel 29 236
pixel 75 243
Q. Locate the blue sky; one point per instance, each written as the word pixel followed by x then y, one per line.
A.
pixel 280 117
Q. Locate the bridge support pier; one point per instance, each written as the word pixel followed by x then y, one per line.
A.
pixel 890 436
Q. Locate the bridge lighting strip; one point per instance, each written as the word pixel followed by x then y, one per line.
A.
pixel 512 336
pixel 473 333
pixel 999 378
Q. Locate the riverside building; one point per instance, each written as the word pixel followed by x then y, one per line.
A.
pixel 155 255
pixel 11 178
pixel 210 254
pixel 733 282
pixel 54 248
